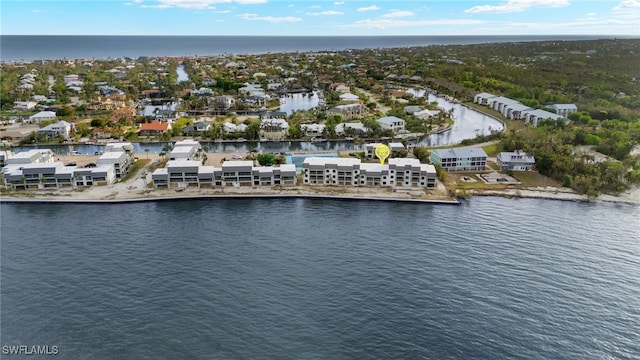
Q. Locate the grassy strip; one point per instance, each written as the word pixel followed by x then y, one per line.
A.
pixel 134 169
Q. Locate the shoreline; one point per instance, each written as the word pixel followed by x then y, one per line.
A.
pixel 227 196
pixel 556 194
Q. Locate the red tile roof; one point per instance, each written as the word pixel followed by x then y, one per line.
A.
pixel 154 126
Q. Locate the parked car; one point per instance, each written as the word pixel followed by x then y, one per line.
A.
pixel 70 164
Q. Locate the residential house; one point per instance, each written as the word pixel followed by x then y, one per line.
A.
pixel 426 114
pixel 515 160
pixel 348 97
pixel 313 130
pixel 124 114
pixel 349 111
pixel 196 129
pixel 233 128
pixel 392 123
pixel 154 128
pixel 61 128
pixel 274 129
pixel 460 159
pixel 351 128
pixel 411 109
pixel 24 105
pixel 223 102
pixel 42 116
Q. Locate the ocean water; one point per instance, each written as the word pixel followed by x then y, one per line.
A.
pixel 492 278
pixel 29 48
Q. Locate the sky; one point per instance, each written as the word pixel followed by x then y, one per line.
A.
pixel 319 17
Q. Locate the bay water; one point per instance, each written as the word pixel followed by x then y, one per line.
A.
pixel 492 278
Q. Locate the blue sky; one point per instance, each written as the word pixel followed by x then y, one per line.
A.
pixel 342 17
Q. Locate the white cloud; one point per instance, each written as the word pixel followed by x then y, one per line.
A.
pixel 627 10
pixel 196 4
pixel 627 5
pixel 517 6
pixel 283 19
pixel 398 14
pixel 383 24
pixel 329 12
pixel 221 11
pixel 315 7
pixel 369 8
pixel 245 2
pixel 39 11
pixel 338 3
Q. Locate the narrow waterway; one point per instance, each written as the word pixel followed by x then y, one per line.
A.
pixel 468 124
pixel 182 74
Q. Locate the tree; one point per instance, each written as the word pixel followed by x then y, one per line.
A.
pixel 266 159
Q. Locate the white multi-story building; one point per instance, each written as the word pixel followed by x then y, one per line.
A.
pixel 392 123
pixel 515 160
pixel 31 156
pixel 120 160
pixel 185 173
pixel 399 172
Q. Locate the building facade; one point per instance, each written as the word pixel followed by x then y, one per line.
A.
pixel 399 172
pixel 516 160
pixel 463 159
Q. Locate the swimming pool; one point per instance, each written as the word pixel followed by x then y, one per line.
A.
pixel 297 159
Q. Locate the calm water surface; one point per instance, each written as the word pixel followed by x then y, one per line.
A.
pixel 313 279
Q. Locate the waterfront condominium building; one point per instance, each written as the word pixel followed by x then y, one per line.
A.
pixel 463 159
pixel 399 172
pixel 184 173
pixel 120 160
pixel 56 175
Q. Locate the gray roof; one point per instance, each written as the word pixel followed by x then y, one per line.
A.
pixel 460 153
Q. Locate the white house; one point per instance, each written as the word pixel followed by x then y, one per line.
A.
pixel 348 97
pixel 392 123
pixel 233 128
pixel 61 128
pixel 515 160
pixel 356 127
pixel 42 116
pixel 426 114
pixel 24 105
